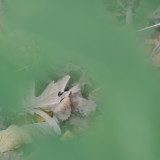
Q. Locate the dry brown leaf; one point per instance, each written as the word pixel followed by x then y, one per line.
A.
pixel 83 106
pixel 63 109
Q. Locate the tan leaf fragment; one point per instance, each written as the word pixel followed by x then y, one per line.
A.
pixel 67 135
pixel 83 106
pixel 63 109
pixel 12 138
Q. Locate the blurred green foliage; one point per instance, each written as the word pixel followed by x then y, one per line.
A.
pixel 41 34
pixel 136 13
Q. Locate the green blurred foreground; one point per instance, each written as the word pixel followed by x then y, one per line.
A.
pixel 39 35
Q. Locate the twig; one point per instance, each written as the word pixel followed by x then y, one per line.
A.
pixel 155 50
pixel 153 26
pixel 129 16
pixel 121 4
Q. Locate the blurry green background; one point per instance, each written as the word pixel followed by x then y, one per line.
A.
pixel 38 35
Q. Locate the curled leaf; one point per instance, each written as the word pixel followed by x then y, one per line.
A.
pixel 49 120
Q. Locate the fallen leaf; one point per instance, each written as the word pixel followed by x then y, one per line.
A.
pixel 83 106
pixel 49 96
pixel 63 109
